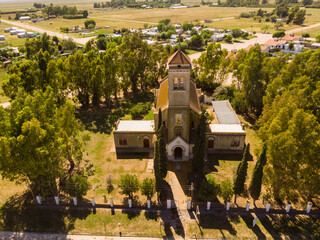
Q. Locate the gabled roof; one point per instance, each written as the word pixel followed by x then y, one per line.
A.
pixel 179 58
pixel 274 43
pixel 289 37
pixel 135 126
pixel 224 112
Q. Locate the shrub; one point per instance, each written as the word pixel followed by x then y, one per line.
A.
pixel 306 35
pixel 245 35
pixel 278 34
pixel 110 186
pixel 208 190
pixel 148 187
pixel 140 109
pixel 245 15
pixel 88 22
pixel 226 190
pixel 318 38
pixel 64 29
pixel 77 186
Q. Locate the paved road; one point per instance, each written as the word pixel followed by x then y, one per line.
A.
pixel 51 33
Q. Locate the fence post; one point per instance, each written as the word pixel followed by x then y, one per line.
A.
pixel 111 201
pixel 130 203
pixel 309 206
pixel 168 203
pixel 248 206
pixel 56 200
pixel 38 199
pixel 288 207
pixel 208 205
pixel 93 202
pixel 189 203
pixel 149 203
pixel 268 207
pixel 228 206
pixel 75 201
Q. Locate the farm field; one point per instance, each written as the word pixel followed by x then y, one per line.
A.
pixel 136 18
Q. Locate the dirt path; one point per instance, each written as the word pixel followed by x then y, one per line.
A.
pixel 303 29
pixel 51 33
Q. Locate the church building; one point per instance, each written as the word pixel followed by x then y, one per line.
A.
pixel 179 100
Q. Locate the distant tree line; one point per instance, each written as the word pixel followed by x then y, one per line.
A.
pixel 135 4
pixel 39 5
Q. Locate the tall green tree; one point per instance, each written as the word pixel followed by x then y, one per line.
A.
pixel 241 174
pixel 96 83
pixel 156 167
pixel 148 187
pixel 129 185
pixel 256 180
pixel 40 144
pixel 209 67
pixel 198 159
pixel 159 118
pixel 163 159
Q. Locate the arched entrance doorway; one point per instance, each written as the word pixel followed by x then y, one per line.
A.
pixel 146 143
pixel 178 153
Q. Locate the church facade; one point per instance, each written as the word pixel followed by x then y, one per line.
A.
pixel 179 101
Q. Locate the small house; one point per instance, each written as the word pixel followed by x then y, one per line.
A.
pixel 2 38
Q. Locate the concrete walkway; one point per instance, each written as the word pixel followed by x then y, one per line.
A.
pixel 50 33
pixel 49 236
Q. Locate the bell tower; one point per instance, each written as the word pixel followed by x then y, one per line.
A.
pixel 179 67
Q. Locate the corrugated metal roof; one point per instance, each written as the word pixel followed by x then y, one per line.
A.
pixel 226 128
pixel 224 112
pixel 135 126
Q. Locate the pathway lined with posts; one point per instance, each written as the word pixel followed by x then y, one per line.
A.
pixel 169 204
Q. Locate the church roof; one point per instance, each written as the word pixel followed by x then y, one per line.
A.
pixel 135 126
pixel 179 58
pixel 224 112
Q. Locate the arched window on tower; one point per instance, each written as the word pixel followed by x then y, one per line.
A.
pixel 181 84
pixel 175 84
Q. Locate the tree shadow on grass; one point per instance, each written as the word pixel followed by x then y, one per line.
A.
pixel 248 219
pixel 298 227
pixel 171 219
pixel 20 214
pixel 220 222
pixel 100 119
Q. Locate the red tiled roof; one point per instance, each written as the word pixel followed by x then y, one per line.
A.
pixel 179 58
pixel 289 37
pixel 272 42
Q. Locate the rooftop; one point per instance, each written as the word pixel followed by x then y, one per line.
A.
pixel 224 112
pixel 272 42
pixel 226 128
pixel 135 126
pixel 179 58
